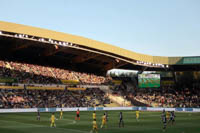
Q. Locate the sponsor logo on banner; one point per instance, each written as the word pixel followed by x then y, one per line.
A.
pixel 135 108
pixel 8 80
pixel 11 87
pixel 116 82
pixel 188 109
pixel 76 89
pixel 42 109
pixel 70 82
pixel 90 109
pixel 143 108
pixel 99 108
pixel 51 109
pixel 44 88
pixel 179 109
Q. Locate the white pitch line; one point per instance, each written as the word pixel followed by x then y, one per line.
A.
pixel 73 130
pixel 35 125
pixel 22 123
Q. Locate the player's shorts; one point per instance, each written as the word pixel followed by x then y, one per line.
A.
pixel 77 115
pixel 94 127
pixel 137 116
pixel 103 122
pixel 172 119
pixel 120 120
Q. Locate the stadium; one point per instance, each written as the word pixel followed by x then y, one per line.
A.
pixel 43 72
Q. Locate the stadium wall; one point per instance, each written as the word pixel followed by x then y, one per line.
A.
pixel 98 109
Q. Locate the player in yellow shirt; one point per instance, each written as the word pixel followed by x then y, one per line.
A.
pixel 94 129
pixel 61 114
pixel 137 113
pixel 103 121
pixel 94 115
pixel 53 118
pixel 167 115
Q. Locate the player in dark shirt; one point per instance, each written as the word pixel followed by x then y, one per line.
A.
pixel 172 117
pixel 164 120
pixel 163 112
pixel 106 116
pixel 121 122
pixel 38 115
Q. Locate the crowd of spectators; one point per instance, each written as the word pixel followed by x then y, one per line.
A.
pixel 36 74
pixel 161 97
pixel 169 98
pixel 97 94
pixel 29 73
pixel 22 98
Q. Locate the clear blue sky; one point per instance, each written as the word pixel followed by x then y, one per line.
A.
pixel 155 27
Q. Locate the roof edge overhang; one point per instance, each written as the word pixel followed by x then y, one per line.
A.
pixel 44 33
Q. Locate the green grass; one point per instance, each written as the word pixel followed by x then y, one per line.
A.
pixel 150 122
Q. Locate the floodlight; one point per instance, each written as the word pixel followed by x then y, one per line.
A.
pixel 64 43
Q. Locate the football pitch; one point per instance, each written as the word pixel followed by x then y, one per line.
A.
pixel 150 122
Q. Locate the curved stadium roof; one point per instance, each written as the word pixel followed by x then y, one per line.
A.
pixel 119 54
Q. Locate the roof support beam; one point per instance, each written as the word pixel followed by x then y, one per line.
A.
pixel 84 57
pixel 53 50
pixel 21 46
pixel 115 64
pixel 142 70
pixel 121 64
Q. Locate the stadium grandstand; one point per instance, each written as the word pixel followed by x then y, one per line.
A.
pixel 44 70
pixel 39 61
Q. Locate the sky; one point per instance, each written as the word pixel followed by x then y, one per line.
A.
pixel 153 27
